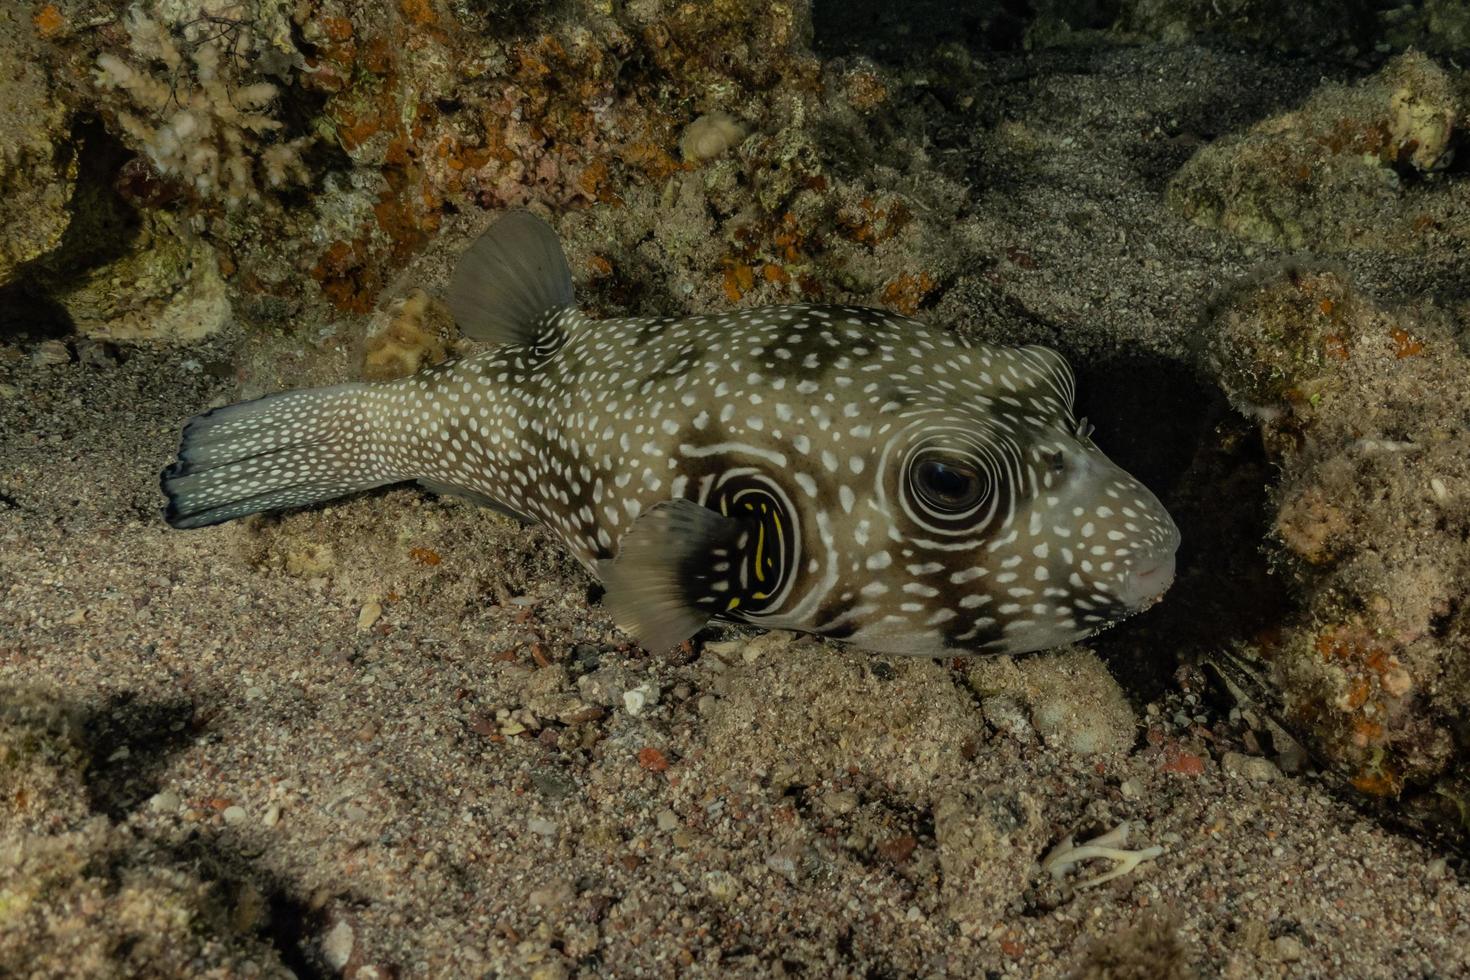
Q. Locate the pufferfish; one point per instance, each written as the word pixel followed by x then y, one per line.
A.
pixel 828 469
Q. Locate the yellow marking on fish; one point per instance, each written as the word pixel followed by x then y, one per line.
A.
pixel 760 547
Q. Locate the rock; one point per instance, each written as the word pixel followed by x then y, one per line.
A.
pixel 785 862
pixel 640 698
pixel 51 353
pixel 1360 405
pixel 165 287
pixel 1327 175
pixel 234 815
pixel 839 802
pixel 605 686
pixel 1289 949
pixel 38 157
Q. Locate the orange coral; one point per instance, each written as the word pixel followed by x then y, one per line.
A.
pixel 49 21
pixel 425 556
pixel 907 291
pixel 739 278
pixel 1405 344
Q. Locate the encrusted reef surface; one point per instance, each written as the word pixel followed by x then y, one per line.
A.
pixel 397 736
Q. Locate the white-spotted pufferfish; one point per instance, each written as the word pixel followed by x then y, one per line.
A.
pixel 835 470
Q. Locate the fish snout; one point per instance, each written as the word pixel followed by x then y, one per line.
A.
pixel 1147 582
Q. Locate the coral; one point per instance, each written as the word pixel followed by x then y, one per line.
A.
pixel 1333 172
pixel 1109 846
pixel 1362 407
pixel 195 102
pixel 710 136
pixel 418 334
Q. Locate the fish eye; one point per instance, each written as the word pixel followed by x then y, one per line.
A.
pixel 1056 462
pixel 948 486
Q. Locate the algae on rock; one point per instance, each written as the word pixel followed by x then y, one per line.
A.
pixel 38 161
pixel 1363 409
pixel 1354 166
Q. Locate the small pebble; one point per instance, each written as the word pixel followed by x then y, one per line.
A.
pixel 272 815
pixel 554 894
pixel 368 615
pixel 542 826
pixel 1254 768
pixel 837 802
pixel 234 815
pixel 640 699
pixel 667 820
pixel 721 885
pixel 1289 949
pixel 784 862
pixel 50 354
pixel 166 801
pixel 337 944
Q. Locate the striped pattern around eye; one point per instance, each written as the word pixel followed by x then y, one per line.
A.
pixel 996 463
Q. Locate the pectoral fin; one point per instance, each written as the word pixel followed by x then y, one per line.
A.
pixel 672 572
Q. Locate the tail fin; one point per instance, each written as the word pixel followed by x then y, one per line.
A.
pixel 284 450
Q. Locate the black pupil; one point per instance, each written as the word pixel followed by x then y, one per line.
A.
pixel 949 484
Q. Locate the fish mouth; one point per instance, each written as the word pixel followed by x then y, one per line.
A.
pixel 1147 583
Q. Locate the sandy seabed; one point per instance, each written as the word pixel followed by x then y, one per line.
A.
pixel 397 736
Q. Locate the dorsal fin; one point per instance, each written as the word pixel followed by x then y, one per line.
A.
pixel 509 280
